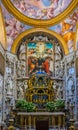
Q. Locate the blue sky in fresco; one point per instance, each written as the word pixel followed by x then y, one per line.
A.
pixel 31 45
pixel 49 45
pixel 46 2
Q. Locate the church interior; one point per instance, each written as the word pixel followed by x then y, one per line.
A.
pixel 38 64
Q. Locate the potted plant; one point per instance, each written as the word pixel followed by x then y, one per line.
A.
pixel 50 106
pixel 59 105
pixel 23 105
pixel 30 107
pixel 20 104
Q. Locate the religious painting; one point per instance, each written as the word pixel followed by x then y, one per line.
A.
pixel 40 57
pixel 41 9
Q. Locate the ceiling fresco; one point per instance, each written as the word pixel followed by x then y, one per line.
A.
pixel 67 29
pixel 13 27
pixel 40 13
pixel 41 9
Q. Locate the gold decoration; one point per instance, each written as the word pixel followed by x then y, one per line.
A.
pixel 37 89
pixel 11 128
pixel 2 31
pixel 15 45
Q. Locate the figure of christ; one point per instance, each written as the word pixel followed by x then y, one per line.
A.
pixel 41 48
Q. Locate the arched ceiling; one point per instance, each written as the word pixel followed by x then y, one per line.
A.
pixel 40 13
pixel 33 31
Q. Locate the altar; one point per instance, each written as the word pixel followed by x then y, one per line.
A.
pixel 42 89
pixel 29 119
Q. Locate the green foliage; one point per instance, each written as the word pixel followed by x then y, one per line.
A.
pixel 25 106
pixel 30 107
pixel 20 104
pixel 57 105
pixel 50 106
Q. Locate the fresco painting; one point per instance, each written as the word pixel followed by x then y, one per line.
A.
pixel 41 9
pixel 13 27
pixel 67 29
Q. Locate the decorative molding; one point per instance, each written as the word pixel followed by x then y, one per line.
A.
pixel 35 30
pixel 70 57
pixel 2 30
pixel 11 57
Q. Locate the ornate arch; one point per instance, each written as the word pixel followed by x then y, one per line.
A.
pixel 35 30
pixel 2 30
pixel 39 23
